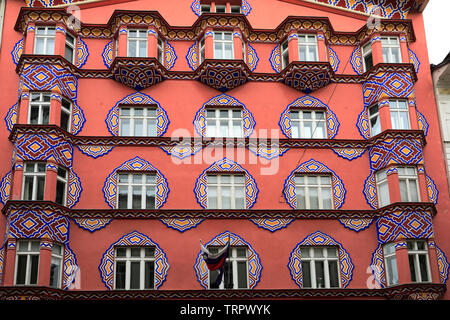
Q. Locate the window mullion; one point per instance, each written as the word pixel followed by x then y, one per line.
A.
pixel 130 192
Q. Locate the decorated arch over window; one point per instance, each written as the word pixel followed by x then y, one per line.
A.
pixel 254 266
pixel 135 164
pixel 134 238
pixel 313 166
pixel 224 101
pixel 225 165
pixel 309 103
pixel 141 99
pixel 320 239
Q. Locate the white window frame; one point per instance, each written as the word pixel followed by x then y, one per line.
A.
pixel 62 179
pixel 404 175
pixel 233 185
pixel 386 43
pixel 366 50
pixel 35 174
pixel 68 112
pixel 28 252
pixel 149 114
pixel 319 185
pixel 375 116
pixel 138 39
pixel 201 51
pixel 382 181
pixel 284 51
pixel 303 41
pixel 299 122
pixel 40 104
pixel 326 259
pixel 396 110
pixel 222 41
pixel 45 37
pixel 232 259
pixel 142 259
pixel 414 252
pixel 60 258
pixel 72 46
pixel 130 184
pixel 215 130
pixel 160 50
pixel 389 254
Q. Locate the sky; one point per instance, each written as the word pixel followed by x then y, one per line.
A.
pixel 437 28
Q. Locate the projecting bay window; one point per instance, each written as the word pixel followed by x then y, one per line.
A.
pixel 39 108
pixel 374 120
pixel 367 58
pixel 69 49
pixel 419 263
pixel 27 262
pixel 390 262
pixel 44 41
pixel 313 191
pixel 409 184
pixel 137 43
pixel 308 124
pixel 399 114
pixel 391 50
pixel 61 186
pixel 307 48
pixel 284 54
pixel 160 51
pixel 226 191
pixel 136 190
pixel 33 181
pixel 235 274
pixel 224 123
pixel 382 188
pixel 66 114
pixel 223 45
pixel 320 267
pixel 134 268
pixel 137 122
pixel 201 51
pixel 56 265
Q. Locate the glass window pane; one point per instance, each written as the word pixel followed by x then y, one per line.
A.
pixel 333 273
pixel 332 252
pixel 326 198
pixel 65 118
pixel 34 269
pixel 142 48
pixel 241 252
pixel 151 128
pixel 120 275
pixel 150 198
pixel 21 269
pixel 391 265
pixel 320 274
pixel 35 246
pixel 68 53
pixel 123 197
pixel 242 274
pixel 320 130
pixel 239 198
pixel 302 53
pixel 226 198
pixel 60 192
pixel 414 195
pixel 213 278
pixel 138 127
pixel 121 252
pixel 306 271
pixel 412 268
pixel 55 269
pixel 124 111
pixel 137 197
pixel 403 190
pixel 300 191
pixel 28 189
pixel 212 197
pixel 135 252
pixel 34 115
pixel 149 252
pixel 40 188
pixel 149 275
pixel 295 129
pixel 123 178
pixel 228 276
pixel 318 252
pixel 304 252
pixel 135 275
pixel 307 130
pixel 313 198
pixel 423 267
pixel 132 48
pixel 124 127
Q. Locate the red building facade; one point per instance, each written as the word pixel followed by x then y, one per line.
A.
pixel 304 132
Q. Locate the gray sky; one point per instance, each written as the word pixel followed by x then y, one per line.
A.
pixel 437 27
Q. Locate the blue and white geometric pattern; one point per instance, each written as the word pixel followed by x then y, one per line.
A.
pixel 254 266
pixel 308 102
pixel 356 224
pixel 272 224
pixel 224 101
pixel 334 59
pixel 95 151
pixel 5 188
pixel 363 124
pixel 78 119
pixel 387 85
pixel 92 224
pixel 320 239
pixel 17 51
pixel 82 53
pixel 313 166
pixel 137 239
pixel 108 54
pixel 137 98
pixel 225 165
pixel 275 59
pixel 135 164
pixel 192 56
pixel 252 57
pixel 395 151
pixel 182 225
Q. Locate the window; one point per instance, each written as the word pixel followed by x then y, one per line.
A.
pixel 160 51
pixel 69 51
pixel 284 54
pixel 56 265
pixel 374 120
pixel 221 8
pixel 367 57
pixel 320 267
pixel 399 114
pixel 27 262
pixel 137 43
pixel 201 51
pixel 235 274
pixel 307 47
pixel 136 190
pixel 308 124
pixel 39 111
pixel 204 8
pixel 244 52
pixel 137 122
pixel 224 123
pixel 61 186
pixel 235 9
pixel 33 181
pixel 226 191
pixel 419 264
pixel 382 188
pixel 223 45
pixel 409 186
pixel 391 50
pixel 44 41
pixel 313 191
pixel 134 268
pixel 66 114
pixel 390 261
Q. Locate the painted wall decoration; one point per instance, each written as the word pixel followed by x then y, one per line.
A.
pixel 91 224
pixel 74 189
pixel 134 238
pixel 70 267
pixel 245 7
pixel 433 192
pixel 370 190
pixel 224 101
pixel 135 164
pixel 182 225
pixel 395 151
pixel 309 102
pixel 387 85
pixel 275 59
pixel 377 266
pixel 252 57
pixel 82 53
pixel 78 119
pixel 414 60
pixel 349 153
pixel 272 224
pixel 192 56
pixel 313 166
pixel 356 61
pixel 356 224
pixel 2 262
pixel 422 122
pixel 269 153
pixel 95 151
pixel 5 187
pixel 320 239
pixel 182 151
pixel 363 124
pixel 404 224
pixel 254 265
pixel 169 56
pixel 108 54
pixel 12 116
pixel 137 98
pixel 443 265
pixel 334 59
pixel 17 51
pixel 225 165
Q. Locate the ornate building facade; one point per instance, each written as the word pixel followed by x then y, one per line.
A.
pixel 305 133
